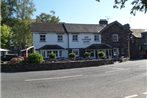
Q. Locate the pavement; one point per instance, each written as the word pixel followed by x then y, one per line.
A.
pixel 118 80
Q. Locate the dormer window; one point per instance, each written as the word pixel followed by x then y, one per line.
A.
pixel 115 37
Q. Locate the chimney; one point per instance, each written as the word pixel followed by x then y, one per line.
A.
pixel 126 26
pixel 103 22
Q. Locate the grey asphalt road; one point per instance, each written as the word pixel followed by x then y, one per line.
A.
pixel 119 80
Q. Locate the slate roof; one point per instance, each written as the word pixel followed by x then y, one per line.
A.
pixel 137 32
pixel 46 27
pixel 83 28
pixel 99 46
pixel 50 47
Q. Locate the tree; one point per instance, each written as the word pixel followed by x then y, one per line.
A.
pixel 137 5
pixel 17 14
pixel 22 36
pixel 47 18
pixel 24 9
pixel 7 12
pixel 6 35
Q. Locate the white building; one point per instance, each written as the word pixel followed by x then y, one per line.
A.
pixel 65 38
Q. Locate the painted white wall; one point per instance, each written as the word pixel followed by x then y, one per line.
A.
pixel 51 39
pixel 81 40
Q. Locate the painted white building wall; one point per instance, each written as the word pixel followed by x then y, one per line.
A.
pixel 84 40
pixel 51 39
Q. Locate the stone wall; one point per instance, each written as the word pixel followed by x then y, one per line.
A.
pixel 53 65
pixel 122 43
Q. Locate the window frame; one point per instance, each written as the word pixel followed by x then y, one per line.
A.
pixel 42 37
pixel 97 36
pixel 115 38
pixel 60 38
pixel 116 50
pixel 75 37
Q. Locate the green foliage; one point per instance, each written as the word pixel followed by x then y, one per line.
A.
pixel 102 54
pixel 6 35
pixel 47 18
pixel 22 34
pixel 7 10
pixel 13 10
pixel 52 56
pixel 35 58
pixel 137 5
pixel 24 9
pixel 17 14
pixel 72 55
pixel 87 54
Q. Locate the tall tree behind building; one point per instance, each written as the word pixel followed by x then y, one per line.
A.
pixel 47 18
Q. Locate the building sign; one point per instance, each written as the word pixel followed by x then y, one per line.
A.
pixel 86 39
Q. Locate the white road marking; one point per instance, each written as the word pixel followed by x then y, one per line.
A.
pixel 53 78
pixel 132 96
pixel 115 70
pixel 145 93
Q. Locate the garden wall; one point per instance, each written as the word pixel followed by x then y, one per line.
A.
pixel 53 65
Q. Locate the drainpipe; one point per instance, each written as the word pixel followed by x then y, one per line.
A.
pixel 67 37
pixel 68 42
pixel 129 39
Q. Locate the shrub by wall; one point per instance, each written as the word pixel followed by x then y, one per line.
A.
pixel 35 58
pixel 52 56
pixel 102 54
pixel 72 56
pixel 86 54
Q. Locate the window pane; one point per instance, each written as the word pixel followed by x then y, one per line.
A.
pixel 96 37
pixel 115 37
pixel 60 38
pixel 60 53
pixel 42 38
pixel 75 37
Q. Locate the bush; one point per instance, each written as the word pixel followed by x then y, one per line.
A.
pixel 35 58
pixel 87 54
pixel 101 54
pixel 72 56
pixel 52 56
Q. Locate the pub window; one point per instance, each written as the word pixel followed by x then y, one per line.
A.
pixel 115 37
pixel 75 37
pixel 60 38
pixel 42 38
pixel 96 37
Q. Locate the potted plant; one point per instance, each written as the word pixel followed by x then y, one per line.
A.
pixel 87 55
pixel 101 54
pixel 52 56
pixel 72 56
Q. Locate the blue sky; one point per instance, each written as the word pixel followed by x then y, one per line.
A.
pixel 90 12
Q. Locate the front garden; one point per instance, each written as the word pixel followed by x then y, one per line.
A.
pixel 36 62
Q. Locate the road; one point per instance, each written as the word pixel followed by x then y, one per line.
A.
pixel 119 80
